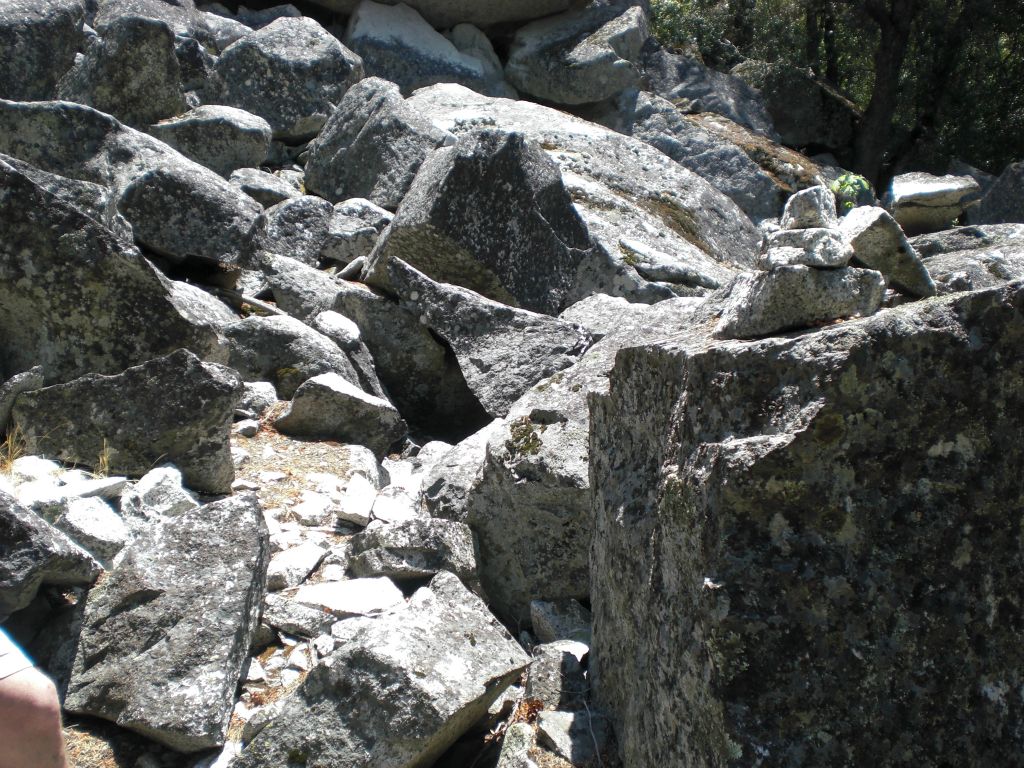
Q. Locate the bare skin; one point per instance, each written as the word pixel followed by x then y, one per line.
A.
pixel 30 727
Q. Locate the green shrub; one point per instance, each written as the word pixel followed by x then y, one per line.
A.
pixel 851 191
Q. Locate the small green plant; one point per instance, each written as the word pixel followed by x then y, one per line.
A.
pixel 525 439
pixel 851 191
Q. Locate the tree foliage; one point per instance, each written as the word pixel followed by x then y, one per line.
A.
pixel 935 79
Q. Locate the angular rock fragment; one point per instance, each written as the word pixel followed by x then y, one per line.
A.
pixel 415 549
pixel 557 675
pixel 292 73
pixel 138 418
pixel 353 230
pixel 580 56
pixel 490 214
pixel 223 139
pixel 879 243
pixel 131 72
pixel 166 634
pixel 560 620
pixel 371 146
pixel 971 258
pixel 292 566
pixel 33 553
pixel 93 525
pixel 441 661
pixel 265 188
pixel 297 228
pixel 1004 201
pixel 921 202
pixel 745 534
pixel 329 407
pixel 14 386
pixel 396 44
pixel 76 299
pixel 354 597
pixel 579 737
pixel 810 208
pixel 792 297
pixel 815 247
pixel 38 43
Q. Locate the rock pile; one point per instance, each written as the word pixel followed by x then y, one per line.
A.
pixel 351 355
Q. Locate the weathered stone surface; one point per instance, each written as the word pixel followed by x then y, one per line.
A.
pixel 181 15
pixel 223 139
pixel 622 188
pixel 292 73
pixel 502 351
pixel 793 297
pixel 354 597
pixel 921 202
pixel 174 408
pixel 297 228
pixel 131 73
pixel 167 632
pixel 285 352
pixel 413 682
pixel 415 549
pixel 295 618
pixel 472 41
pixel 396 44
pixel 579 56
pixel 222 30
pixel 446 13
pixel 879 243
pixel 371 146
pixel 556 675
pixel 349 338
pixel 330 407
pixel 38 43
pixel 265 188
pixel 769 567
pixel 76 299
pixel 292 566
pixel 971 258
pixel 1004 202
pixel 490 214
pixel 523 483
pixel 805 112
pixel 810 208
pixel 816 247
pixel 353 230
pixel 600 314
pixel 92 524
pixel 14 386
pixel 518 742
pixel 579 737
pixel 686 82
pixel 158 493
pixel 33 553
pixel 560 620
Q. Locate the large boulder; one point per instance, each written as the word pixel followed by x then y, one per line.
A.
pixel 396 44
pixel 167 632
pixel 33 553
pixel 970 258
pixel 412 683
pixel 446 13
pixel 292 73
pixel 176 207
pixel 38 43
pixel 75 298
pixel 1004 201
pixel 371 146
pixel 831 526
pixel 174 408
pixel 490 214
pixel 132 73
pixel 223 139
pixel 921 202
pixel 580 56
pixel 622 189
pixel 297 228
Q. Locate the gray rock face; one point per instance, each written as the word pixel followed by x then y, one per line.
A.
pixel 791 297
pixel 921 202
pixel 265 188
pixel 353 230
pixel 166 633
pixel 297 228
pixel 174 408
pixel 396 44
pixel 879 243
pixel 38 42
pixel 686 82
pixel 804 111
pixel 415 549
pixel 1004 202
pixel 74 298
pixel 490 214
pixel 14 386
pixel 971 258
pixel 284 351
pixel 443 14
pixel 330 407
pixel 745 535
pixel 523 483
pixel 815 247
pixel 223 139
pixel 580 56
pixel 181 15
pixel 622 188
pixel 556 676
pixel 292 73
pixel 371 146
pixel 33 553
pixel 811 208
pixel 501 351
pixel 131 72
pixel 413 682
pixel 175 206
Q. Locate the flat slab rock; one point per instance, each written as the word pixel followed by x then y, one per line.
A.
pixel 167 631
pixel 412 682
